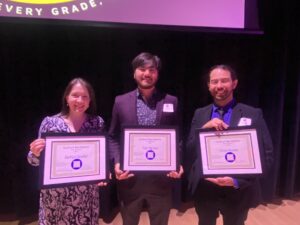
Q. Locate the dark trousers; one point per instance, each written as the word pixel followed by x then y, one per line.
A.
pixel 157 206
pixel 208 211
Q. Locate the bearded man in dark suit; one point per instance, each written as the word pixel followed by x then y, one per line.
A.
pixel 145 106
pixel 230 196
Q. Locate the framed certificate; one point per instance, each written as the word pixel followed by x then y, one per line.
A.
pixel 229 152
pixel 70 159
pixel 151 149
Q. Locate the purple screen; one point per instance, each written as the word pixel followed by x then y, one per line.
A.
pixel 195 13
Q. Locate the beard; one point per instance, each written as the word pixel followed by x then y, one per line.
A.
pixel 222 96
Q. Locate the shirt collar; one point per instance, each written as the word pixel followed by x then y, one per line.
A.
pixel 153 97
pixel 226 107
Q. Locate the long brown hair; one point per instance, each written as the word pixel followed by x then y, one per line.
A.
pixel 92 107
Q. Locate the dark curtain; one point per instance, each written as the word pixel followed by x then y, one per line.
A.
pixel 37 59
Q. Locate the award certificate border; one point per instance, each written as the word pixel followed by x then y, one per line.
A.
pixel 64 161
pixel 220 152
pixel 151 140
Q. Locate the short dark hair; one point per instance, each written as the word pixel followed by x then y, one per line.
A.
pixel 145 58
pixel 223 67
pixel 92 107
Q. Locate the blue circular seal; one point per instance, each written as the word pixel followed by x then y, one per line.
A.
pixel 76 164
pixel 230 157
pixel 150 154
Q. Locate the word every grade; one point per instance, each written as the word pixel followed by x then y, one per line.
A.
pixel 55 11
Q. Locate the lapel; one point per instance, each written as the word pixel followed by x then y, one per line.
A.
pixel 131 110
pixel 237 113
pixel 206 115
pixel 159 109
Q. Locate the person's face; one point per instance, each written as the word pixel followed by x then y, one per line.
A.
pixel 78 99
pixel 221 86
pixel 146 76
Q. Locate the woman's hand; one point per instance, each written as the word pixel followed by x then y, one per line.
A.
pixel 102 184
pixel 37 146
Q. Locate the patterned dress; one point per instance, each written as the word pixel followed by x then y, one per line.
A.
pixel 74 204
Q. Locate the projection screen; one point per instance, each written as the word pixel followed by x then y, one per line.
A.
pixel 182 13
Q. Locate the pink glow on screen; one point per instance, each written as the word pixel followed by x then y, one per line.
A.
pixel 198 13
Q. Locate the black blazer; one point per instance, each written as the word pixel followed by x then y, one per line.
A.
pixel 248 194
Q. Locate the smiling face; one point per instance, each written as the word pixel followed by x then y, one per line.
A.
pixel 78 99
pixel 146 76
pixel 221 86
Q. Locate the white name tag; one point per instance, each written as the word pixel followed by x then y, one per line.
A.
pixel 168 107
pixel 245 122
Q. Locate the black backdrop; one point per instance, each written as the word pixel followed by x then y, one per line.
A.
pixel 38 59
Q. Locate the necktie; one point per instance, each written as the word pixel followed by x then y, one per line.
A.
pixel 221 113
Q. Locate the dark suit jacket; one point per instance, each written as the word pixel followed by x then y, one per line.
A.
pixel 125 113
pixel 248 194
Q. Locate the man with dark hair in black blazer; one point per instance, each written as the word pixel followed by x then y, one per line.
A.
pixel 144 106
pixel 230 196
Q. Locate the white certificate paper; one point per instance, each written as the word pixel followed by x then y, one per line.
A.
pixel 230 152
pixel 149 149
pixel 73 159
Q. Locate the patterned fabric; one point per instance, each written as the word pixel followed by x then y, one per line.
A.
pixel 146 111
pixel 68 205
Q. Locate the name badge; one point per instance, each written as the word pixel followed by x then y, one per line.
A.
pixel 168 107
pixel 245 122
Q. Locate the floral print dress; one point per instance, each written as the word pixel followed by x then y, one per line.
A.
pixel 73 204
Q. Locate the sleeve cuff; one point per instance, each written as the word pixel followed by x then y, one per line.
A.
pixel 235 183
pixel 32 159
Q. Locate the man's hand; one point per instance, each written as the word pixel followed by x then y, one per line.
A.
pixel 217 124
pixel 222 181
pixel 175 174
pixel 120 174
